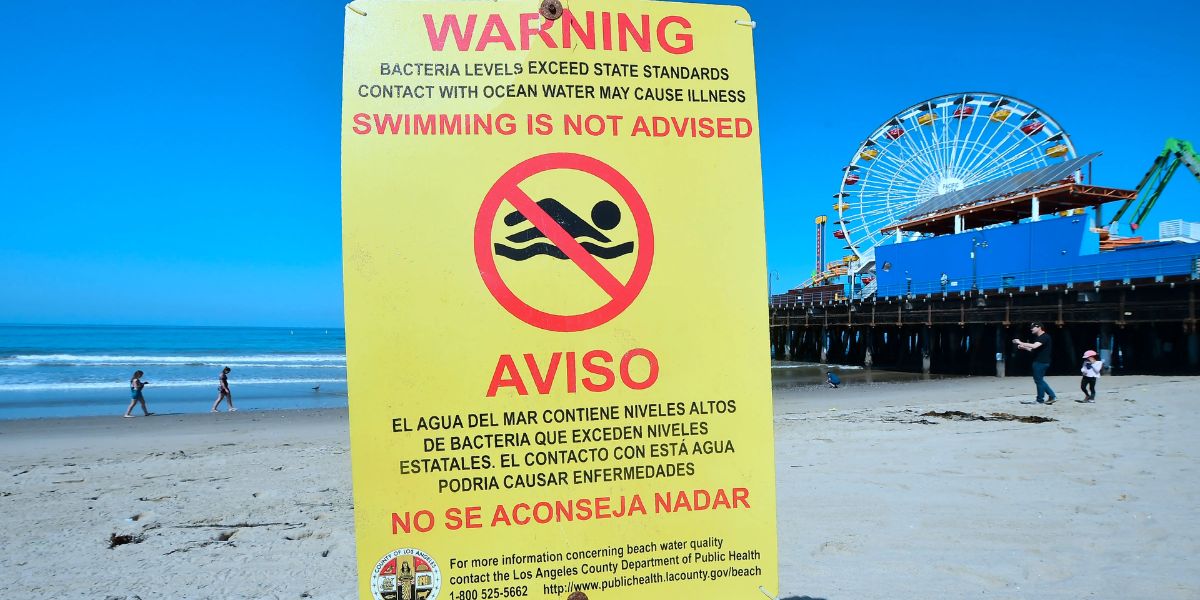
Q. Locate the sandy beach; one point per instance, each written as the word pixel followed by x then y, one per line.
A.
pixel 875 500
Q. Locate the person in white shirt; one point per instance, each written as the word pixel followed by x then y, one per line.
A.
pixel 1091 372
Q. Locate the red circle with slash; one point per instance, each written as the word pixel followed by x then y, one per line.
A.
pixel 507 188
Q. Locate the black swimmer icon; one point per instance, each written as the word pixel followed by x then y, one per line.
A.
pixel 605 214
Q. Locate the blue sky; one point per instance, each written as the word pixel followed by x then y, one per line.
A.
pixel 178 163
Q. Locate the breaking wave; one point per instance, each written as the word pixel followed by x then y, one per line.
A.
pixel 108 385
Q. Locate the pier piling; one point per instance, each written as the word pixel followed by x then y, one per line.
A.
pixel 1144 326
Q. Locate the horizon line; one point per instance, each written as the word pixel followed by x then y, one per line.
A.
pixel 342 327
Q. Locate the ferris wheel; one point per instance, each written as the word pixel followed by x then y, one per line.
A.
pixel 935 147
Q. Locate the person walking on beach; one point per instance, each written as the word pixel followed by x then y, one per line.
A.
pixel 1042 348
pixel 223 392
pixel 135 392
pixel 1091 373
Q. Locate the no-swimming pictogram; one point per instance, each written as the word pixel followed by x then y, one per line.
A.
pixel 551 230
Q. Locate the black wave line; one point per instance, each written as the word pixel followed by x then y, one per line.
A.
pixel 533 250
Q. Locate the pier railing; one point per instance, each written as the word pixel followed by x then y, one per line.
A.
pixel 1124 272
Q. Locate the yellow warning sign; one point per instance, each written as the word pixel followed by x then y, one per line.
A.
pixel 555 320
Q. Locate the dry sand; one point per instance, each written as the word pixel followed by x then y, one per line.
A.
pixel 236 505
pixel 875 500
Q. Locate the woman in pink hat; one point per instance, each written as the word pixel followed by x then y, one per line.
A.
pixel 1091 372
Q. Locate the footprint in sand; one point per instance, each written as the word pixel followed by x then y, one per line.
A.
pixel 836 547
pixel 299 536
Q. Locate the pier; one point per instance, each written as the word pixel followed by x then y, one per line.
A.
pixel 1145 326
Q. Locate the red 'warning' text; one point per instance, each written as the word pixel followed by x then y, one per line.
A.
pixel 619 31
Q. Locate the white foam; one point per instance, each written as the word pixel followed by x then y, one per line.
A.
pixel 828 367
pixel 281 360
pixel 108 385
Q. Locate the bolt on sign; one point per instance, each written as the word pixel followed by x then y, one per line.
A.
pixel 554 274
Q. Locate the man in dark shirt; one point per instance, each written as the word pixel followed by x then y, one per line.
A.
pixel 1042 347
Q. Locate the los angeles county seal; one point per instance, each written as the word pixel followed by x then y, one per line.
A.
pixel 406 574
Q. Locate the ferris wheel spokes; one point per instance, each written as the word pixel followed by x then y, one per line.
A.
pixel 940 145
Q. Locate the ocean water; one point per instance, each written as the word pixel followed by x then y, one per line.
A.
pixel 59 371
pixel 71 370
pixel 789 374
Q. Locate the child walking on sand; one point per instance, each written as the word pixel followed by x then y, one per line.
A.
pixel 1091 372
pixel 223 392
pixel 135 392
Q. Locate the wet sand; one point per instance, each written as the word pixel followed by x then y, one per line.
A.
pixel 875 500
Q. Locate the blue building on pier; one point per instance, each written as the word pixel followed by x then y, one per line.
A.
pixel 1052 251
pixel 1036 229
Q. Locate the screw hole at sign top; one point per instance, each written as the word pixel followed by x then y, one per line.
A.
pixel 551 9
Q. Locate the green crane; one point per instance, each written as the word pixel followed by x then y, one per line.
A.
pixel 1175 153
